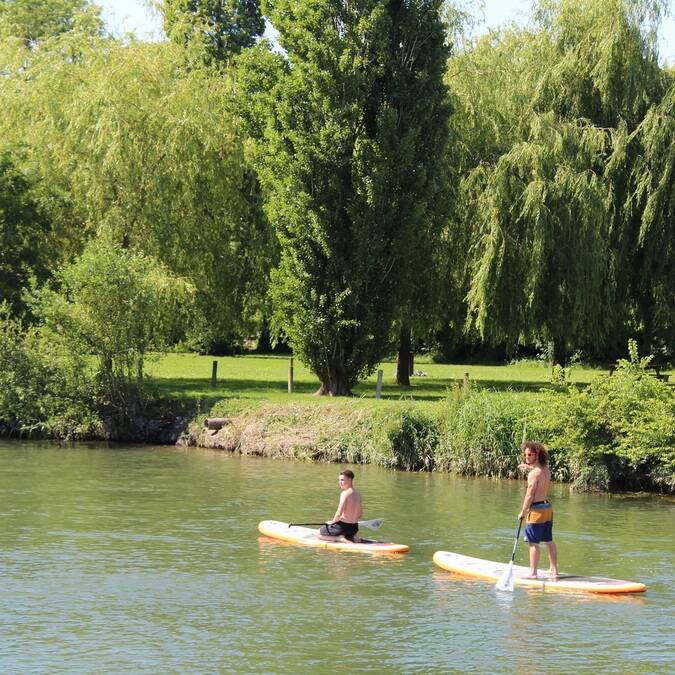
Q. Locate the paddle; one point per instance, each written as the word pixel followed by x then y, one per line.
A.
pixel 374 524
pixel 505 582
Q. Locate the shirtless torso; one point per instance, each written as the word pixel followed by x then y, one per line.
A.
pixel 538 482
pixel 344 524
pixel 350 506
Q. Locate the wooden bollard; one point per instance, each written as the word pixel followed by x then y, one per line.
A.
pixel 214 373
pixel 466 381
pixel 290 375
pixel 378 386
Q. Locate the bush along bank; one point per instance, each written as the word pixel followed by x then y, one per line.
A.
pixel 616 434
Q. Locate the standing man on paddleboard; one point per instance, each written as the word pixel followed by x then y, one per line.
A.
pixel 537 508
pixel 345 523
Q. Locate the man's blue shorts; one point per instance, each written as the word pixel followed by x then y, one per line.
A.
pixel 539 527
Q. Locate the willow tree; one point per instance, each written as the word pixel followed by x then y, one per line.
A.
pixel 151 153
pixel 537 261
pixel 644 161
pixel 26 244
pixel 35 20
pixel 356 132
pixel 605 70
pixel 588 72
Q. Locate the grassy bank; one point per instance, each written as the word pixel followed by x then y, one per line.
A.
pixel 612 433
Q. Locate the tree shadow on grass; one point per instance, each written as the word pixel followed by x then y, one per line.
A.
pixel 228 388
pixel 427 390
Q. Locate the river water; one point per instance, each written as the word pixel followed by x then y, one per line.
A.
pixel 129 559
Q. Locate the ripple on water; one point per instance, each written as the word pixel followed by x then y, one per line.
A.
pixel 114 560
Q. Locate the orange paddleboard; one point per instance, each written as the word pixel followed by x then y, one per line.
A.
pixel 492 571
pixel 305 536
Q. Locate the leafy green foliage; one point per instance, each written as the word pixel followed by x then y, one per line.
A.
pixel 348 161
pixel 565 211
pixel 128 142
pixel 36 20
pixel 25 250
pixel 414 441
pixel 621 429
pixel 481 433
pixel 214 29
pixel 537 260
pixel 45 388
pixel 116 304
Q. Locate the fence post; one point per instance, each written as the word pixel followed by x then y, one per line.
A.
pixel 378 386
pixel 466 381
pixel 290 375
pixel 214 373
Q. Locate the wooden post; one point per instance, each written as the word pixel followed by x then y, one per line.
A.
pixel 466 381
pixel 214 373
pixel 378 386
pixel 290 375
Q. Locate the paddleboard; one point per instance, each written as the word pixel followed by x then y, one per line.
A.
pixel 306 536
pixel 491 571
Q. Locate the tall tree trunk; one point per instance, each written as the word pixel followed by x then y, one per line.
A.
pixel 334 381
pixel 264 339
pixel 404 357
pixel 559 352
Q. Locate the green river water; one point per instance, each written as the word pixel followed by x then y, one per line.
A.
pixel 132 559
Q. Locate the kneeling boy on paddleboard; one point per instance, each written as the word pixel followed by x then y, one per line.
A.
pixel 345 523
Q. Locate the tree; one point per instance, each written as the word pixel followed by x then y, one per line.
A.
pixel 548 176
pixel 538 257
pixel 644 161
pixel 216 29
pixel 36 20
pixel 151 153
pixel 25 237
pixel 356 132
pixel 116 304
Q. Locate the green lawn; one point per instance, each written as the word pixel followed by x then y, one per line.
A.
pixel 265 378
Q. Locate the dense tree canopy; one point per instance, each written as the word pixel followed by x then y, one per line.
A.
pixel 150 153
pixel 540 211
pixel 25 238
pixel 549 199
pixel 355 135
pixel 214 29
pixel 35 20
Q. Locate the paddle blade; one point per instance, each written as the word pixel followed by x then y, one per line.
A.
pixel 374 524
pixel 505 582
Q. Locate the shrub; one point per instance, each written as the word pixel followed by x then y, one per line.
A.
pixel 414 441
pixel 619 433
pixel 482 432
pixel 44 388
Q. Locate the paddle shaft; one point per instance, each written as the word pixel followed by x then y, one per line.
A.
pixel 515 543
pixel 374 524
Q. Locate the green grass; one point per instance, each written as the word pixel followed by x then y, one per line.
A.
pixel 264 379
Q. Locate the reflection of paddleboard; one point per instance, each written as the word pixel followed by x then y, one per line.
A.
pixel 305 536
pixel 485 569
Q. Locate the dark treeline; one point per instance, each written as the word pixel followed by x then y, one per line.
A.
pixel 373 182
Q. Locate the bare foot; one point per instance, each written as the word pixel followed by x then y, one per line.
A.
pixel 553 574
pixel 357 539
pixel 530 576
